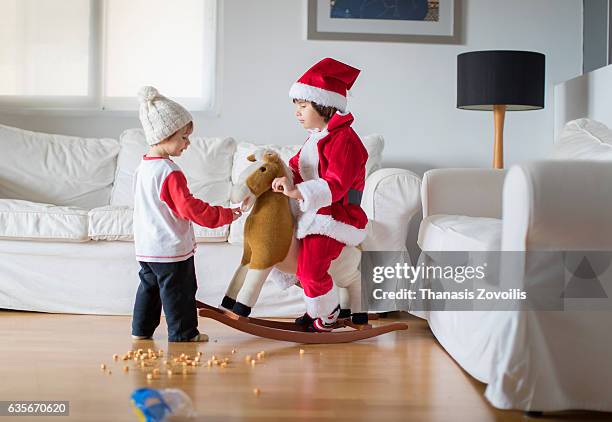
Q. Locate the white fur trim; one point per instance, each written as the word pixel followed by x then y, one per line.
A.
pixel 322 306
pixel 309 156
pixel 312 223
pixel 300 91
pixel 281 279
pixel 316 194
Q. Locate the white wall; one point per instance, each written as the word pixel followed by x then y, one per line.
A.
pixel 406 91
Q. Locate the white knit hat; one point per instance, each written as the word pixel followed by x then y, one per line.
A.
pixel 160 117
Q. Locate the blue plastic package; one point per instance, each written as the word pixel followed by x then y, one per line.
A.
pixel 152 405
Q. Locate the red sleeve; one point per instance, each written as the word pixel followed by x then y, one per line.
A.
pixel 177 196
pixel 346 160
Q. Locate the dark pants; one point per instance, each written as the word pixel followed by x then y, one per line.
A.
pixel 173 285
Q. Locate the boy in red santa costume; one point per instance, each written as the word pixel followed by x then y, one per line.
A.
pixel 329 176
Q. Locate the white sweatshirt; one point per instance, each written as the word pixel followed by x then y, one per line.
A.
pixel 164 209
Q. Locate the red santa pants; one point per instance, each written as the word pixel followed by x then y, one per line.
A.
pixel 315 256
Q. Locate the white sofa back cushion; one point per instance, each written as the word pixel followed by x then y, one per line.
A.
pixel 374 144
pixel 56 169
pixel 24 220
pixel 584 139
pixel 207 164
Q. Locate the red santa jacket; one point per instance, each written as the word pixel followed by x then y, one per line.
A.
pixel 329 171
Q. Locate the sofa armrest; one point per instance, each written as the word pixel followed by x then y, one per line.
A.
pixel 471 192
pixel 391 198
pixel 558 205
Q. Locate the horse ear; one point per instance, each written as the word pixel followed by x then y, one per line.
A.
pixel 271 157
pixel 252 158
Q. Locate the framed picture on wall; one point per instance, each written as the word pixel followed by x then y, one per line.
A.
pixel 433 21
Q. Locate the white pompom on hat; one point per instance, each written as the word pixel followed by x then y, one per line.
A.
pixel 160 117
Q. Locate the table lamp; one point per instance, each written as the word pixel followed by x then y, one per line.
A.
pixel 500 80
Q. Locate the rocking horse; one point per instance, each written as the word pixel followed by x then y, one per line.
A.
pixel 270 245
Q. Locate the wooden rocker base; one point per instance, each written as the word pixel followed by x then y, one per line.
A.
pixel 289 331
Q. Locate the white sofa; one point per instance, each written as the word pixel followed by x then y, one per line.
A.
pixel 531 360
pixel 66 219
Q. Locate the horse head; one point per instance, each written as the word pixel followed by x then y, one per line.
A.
pixel 257 178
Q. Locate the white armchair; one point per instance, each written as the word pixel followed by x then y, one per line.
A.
pixel 531 360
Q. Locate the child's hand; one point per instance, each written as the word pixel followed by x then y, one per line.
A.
pixel 246 204
pixel 236 213
pixel 281 184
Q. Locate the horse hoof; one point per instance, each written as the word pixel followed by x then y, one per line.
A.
pixel 241 309
pixel 360 318
pixel 228 303
pixel 304 320
pixel 344 313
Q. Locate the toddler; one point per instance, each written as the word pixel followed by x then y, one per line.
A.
pixel 164 210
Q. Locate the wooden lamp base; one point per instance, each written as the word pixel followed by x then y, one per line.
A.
pixel 499 115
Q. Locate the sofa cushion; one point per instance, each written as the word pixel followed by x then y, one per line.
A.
pixel 460 233
pixel 115 223
pixel 24 220
pixel 111 223
pixel 56 169
pixel 584 139
pixel 374 144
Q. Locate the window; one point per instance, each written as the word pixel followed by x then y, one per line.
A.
pixel 44 51
pixel 95 54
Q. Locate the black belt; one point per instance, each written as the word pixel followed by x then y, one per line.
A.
pixel 354 196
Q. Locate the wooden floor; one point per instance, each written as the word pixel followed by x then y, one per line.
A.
pixel 397 377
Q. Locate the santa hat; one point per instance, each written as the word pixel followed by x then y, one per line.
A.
pixel 326 84
pixel 160 117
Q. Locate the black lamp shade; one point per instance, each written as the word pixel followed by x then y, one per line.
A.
pixel 511 78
